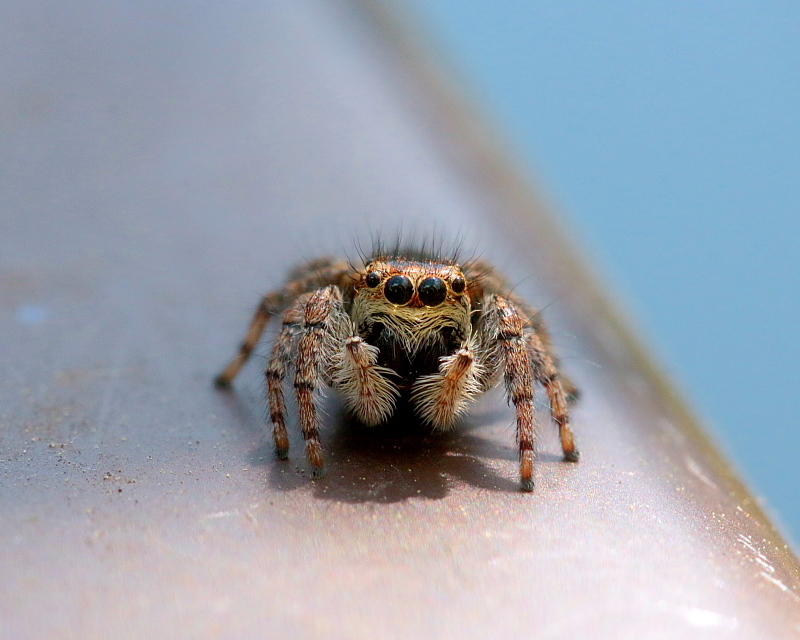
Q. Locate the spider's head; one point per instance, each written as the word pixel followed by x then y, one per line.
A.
pixel 416 299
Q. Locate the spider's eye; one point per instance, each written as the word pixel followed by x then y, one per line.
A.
pixel 458 284
pixel 398 290
pixel 432 291
pixel 373 279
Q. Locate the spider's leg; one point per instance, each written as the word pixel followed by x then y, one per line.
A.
pixel 257 325
pixel 304 279
pixel 571 392
pixel 441 397
pixel 365 387
pixel 319 315
pixel 518 376
pixel 486 281
pixel 546 373
pixel 279 362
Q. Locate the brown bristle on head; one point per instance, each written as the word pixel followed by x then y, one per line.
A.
pixel 427 246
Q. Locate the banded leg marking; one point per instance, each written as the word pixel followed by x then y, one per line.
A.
pixel 518 376
pixel 310 354
pixel 545 372
pixel 279 363
pixel 254 332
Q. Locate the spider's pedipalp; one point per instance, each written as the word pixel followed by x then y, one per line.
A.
pixel 367 388
pixel 440 398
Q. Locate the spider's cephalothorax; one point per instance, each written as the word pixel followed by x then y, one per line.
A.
pixel 415 313
pixel 416 329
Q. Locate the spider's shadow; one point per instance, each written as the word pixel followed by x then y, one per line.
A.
pixel 397 461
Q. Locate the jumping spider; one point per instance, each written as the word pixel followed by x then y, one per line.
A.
pixel 405 327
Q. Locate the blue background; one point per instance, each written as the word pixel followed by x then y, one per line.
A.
pixel 669 132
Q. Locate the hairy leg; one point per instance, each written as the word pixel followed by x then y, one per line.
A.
pixel 546 373
pixel 320 315
pixel 506 325
pixel 279 362
pixel 487 282
pixel 304 279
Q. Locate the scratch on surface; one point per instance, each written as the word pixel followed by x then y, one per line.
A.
pixel 769 569
pixel 221 514
pixel 765 564
pixel 701 618
pixel 778 584
pixel 747 542
pixel 696 471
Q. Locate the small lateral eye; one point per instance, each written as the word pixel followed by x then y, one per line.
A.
pixel 398 290
pixel 458 284
pixel 432 291
pixel 373 279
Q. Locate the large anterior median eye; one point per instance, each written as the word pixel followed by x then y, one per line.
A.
pixel 398 290
pixel 432 291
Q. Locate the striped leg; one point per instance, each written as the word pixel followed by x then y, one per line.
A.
pixel 279 363
pixel 571 393
pixel 518 375
pixel 304 279
pixel 257 325
pixel 545 372
pixel 318 321
pixel 488 282
pixel 506 342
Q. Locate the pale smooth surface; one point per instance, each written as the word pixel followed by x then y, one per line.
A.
pixel 163 167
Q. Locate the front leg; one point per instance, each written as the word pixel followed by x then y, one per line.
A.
pixel 518 376
pixel 320 316
pixel 303 280
pixel 280 359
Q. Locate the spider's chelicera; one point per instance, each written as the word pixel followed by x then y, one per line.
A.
pixel 405 327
